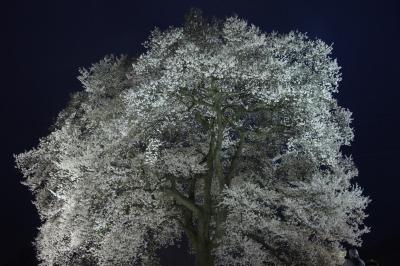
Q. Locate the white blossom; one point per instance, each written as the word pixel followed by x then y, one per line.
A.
pixel 219 132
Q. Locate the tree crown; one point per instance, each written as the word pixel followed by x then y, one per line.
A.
pixel 219 132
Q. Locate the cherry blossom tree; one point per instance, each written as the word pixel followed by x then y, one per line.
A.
pixel 219 133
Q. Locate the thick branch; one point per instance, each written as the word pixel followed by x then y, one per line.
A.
pixel 211 171
pixel 190 232
pixel 235 160
pixel 258 239
pixel 219 139
pixel 187 214
pixel 184 201
pixel 188 203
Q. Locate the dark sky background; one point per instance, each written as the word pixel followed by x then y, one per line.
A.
pixel 45 42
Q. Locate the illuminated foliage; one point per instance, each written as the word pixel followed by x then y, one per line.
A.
pixel 219 132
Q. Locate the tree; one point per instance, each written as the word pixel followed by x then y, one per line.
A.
pixel 220 133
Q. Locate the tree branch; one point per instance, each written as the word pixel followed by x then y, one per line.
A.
pixel 184 201
pixel 188 230
pixel 235 160
pixel 258 239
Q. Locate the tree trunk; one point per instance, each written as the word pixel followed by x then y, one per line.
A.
pixel 203 254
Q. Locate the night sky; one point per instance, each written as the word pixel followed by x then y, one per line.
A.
pixel 45 42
